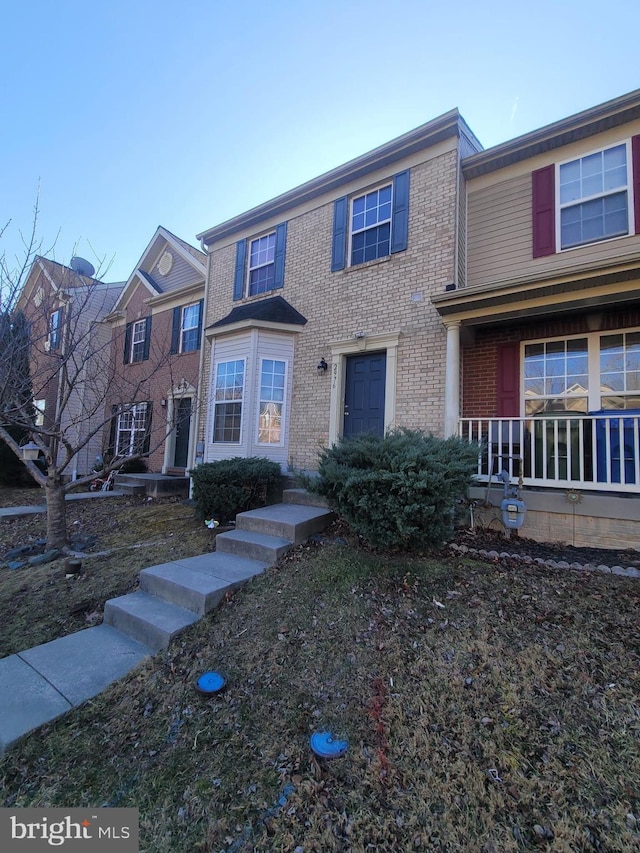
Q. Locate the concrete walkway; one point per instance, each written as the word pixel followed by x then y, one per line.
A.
pixel 17 511
pixel 41 684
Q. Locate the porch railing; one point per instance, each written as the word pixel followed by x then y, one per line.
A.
pixel 596 452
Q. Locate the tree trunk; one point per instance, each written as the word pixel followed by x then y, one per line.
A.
pixel 56 514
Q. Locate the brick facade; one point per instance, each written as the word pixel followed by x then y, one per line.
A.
pixel 389 296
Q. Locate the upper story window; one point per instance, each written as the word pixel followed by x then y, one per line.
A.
pixel 594 197
pixel 137 341
pixel 262 254
pixel 260 263
pixel 586 200
pixel 371 225
pixel 186 331
pixel 55 329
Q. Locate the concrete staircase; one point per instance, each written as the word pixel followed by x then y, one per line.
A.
pixel 173 596
pixel 40 684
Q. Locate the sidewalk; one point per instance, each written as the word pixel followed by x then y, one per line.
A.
pixel 42 683
pixel 17 511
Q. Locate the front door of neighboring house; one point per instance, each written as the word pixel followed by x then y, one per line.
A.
pixel 364 394
pixel 183 428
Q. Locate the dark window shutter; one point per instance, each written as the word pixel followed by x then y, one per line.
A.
pixel 339 246
pixel 543 208
pixel 147 338
pixel 200 321
pixel 635 160
pixel 127 343
pixel 147 430
pixel 508 381
pixel 400 215
pixel 280 251
pixel 175 329
pixel 241 256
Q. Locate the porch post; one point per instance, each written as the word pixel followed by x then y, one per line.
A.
pixel 452 379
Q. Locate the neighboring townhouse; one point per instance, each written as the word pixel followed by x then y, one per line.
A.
pixel 546 322
pixel 320 321
pixel 157 332
pixel 69 353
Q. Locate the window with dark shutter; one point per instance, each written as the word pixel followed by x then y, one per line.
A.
pixel 543 202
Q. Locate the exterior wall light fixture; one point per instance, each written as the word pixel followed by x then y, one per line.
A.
pixel 322 367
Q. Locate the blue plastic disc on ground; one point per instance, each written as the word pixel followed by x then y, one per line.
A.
pixel 210 683
pixel 327 745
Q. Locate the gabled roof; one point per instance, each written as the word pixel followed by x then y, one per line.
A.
pixel 272 310
pixel 61 277
pixel 161 238
pixel 595 120
pixel 449 125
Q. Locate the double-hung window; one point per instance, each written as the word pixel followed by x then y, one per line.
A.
pixel 133 430
pixel 189 333
pixel 137 341
pixel 271 403
pixel 371 225
pixel 586 200
pixel 228 401
pixel 260 263
pixel 594 197
pixel 55 329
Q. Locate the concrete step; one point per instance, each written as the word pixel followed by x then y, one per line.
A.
pixel 303 498
pixel 200 583
pixel 253 545
pixel 288 521
pixel 147 618
pixel 156 485
pixel 131 489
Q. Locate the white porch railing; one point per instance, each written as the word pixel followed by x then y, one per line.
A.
pixel 595 452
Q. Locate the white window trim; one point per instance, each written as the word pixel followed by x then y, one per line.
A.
pixel 352 199
pixel 136 324
pixel 39 406
pixel 55 329
pixel 133 431
pixel 594 393
pixel 629 191
pixel 242 401
pixel 280 443
pixel 250 269
pixel 185 308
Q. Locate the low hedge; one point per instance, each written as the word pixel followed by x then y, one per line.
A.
pixel 223 489
pixel 398 491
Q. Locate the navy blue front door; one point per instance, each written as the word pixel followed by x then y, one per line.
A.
pixel 364 394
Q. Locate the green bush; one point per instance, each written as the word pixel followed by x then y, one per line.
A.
pixel 398 491
pixel 223 489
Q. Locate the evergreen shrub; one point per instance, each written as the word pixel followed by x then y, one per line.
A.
pixel 223 489
pixel 397 492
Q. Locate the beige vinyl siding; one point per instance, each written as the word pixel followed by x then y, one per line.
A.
pixel 499 247
pixel 182 274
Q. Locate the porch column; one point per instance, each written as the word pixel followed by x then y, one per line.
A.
pixel 452 379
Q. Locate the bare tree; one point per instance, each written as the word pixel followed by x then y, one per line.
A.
pixel 76 384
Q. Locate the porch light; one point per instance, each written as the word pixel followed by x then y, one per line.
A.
pixel 30 451
pixel 322 367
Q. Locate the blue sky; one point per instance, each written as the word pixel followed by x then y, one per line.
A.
pixel 129 115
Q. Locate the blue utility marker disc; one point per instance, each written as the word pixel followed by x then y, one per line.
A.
pixel 327 745
pixel 210 683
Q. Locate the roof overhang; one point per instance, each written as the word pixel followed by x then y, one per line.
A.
pixel 449 125
pixel 523 301
pixel 598 119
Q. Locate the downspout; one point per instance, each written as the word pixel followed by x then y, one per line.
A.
pixel 200 381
